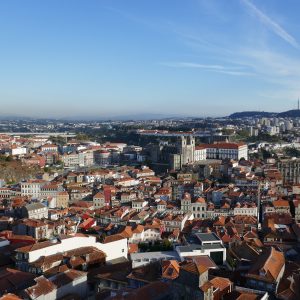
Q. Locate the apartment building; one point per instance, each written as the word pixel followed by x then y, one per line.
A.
pixel 32 188
pixel 35 211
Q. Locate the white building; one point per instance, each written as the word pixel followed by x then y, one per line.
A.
pixel 127 182
pixel 144 172
pixel 145 258
pixel 234 151
pixel 86 158
pixel 139 204
pixel 200 153
pixel 113 250
pixel 32 188
pixel 5 192
pixel 70 160
pixel 35 211
pixel 245 210
pixel 152 233
pixel 18 151
pixel 204 244
pixel 161 206
pixel 49 148
pixel 199 208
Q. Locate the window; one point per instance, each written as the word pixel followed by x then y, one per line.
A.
pixel 122 250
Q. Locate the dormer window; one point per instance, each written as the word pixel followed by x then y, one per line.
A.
pixel 262 272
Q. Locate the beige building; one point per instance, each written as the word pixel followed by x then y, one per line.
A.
pixel 62 199
pixel 99 200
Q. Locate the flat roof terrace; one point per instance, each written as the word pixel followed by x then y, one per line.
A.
pixel 208 238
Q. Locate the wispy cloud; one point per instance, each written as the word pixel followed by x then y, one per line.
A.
pixel 243 54
pixel 235 71
pixel 271 24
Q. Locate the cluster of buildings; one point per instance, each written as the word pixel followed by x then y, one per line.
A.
pixel 272 125
pixel 40 151
pixel 124 232
pixel 101 223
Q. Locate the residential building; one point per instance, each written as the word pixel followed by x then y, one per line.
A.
pixel 199 208
pixel 245 209
pixel 58 286
pixel 62 199
pixel 99 200
pixel 49 148
pixel 267 270
pixel 32 188
pixel 115 246
pixel 35 211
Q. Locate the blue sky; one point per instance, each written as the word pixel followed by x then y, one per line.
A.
pixel 108 58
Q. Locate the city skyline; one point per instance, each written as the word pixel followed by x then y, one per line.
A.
pixel 107 59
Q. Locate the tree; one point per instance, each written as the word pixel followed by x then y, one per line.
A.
pixel 292 151
pixel 166 245
pixel 9 158
pixel 58 140
pixel 47 169
pixel 266 154
pixel 82 137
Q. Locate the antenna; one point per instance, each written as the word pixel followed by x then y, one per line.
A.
pixel 298 103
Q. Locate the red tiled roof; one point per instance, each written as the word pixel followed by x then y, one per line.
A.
pixel 269 263
pixel 43 287
pixel 113 238
pixel 281 203
pixel 221 283
pixel 200 200
pixel 133 248
pixel 225 145
pixel 10 297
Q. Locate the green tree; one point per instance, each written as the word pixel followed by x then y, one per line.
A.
pixel 292 151
pixel 82 137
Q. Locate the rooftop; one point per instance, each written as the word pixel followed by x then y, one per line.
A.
pixel 207 237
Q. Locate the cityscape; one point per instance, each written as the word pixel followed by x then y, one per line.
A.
pixel 149 150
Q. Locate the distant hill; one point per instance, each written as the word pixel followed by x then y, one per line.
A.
pixel 294 113
pixel 133 117
pixel 252 114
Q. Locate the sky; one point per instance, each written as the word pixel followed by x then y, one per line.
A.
pixel 98 58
